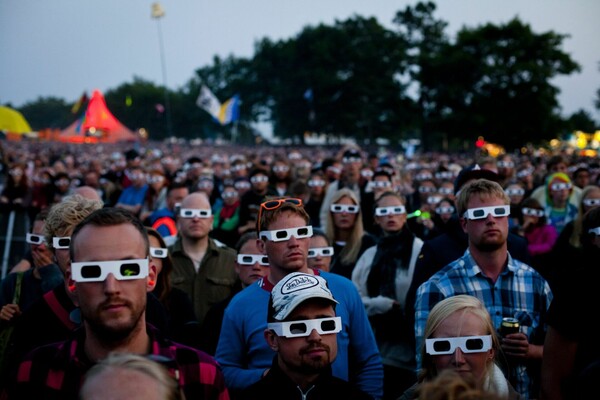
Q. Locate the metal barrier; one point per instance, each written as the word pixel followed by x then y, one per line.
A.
pixel 13 228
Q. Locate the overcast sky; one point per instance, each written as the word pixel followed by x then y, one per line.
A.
pixel 62 48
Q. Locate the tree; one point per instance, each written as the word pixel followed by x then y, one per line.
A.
pixel 493 81
pixel 510 97
pixel 351 69
pixel 138 105
pixel 47 112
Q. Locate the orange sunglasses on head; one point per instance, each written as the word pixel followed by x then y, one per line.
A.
pixel 275 204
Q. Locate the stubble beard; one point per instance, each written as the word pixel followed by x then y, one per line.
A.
pixel 113 334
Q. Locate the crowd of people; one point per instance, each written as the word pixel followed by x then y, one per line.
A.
pixel 270 272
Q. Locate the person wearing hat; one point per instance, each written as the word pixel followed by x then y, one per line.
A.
pixel 302 330
pixel 284 237
pixel 559 209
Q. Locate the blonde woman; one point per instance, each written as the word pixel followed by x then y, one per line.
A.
pixel 460 335
pixel 345 230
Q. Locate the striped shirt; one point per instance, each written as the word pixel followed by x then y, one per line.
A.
pixel 519 292
pixel 56 371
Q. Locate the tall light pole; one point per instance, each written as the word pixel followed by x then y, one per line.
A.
pixel 157 13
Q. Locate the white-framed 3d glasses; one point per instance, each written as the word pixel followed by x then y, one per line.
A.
pixel 591 202
pixel 505 164
pixel 320 252
pixel 434 199
pixel 61 242
pixel 316 183
pixel 444 210
pixel 595 231
pixel 380 184
pixel 515 192
pixel 259 179
pixel 444 175
pixel 483 212
pixel 555 187
pixel 348 208
pixel 32 238
pixel 195 212
pixel 159 252
pixel 251 259
pixel 393 210
pixel 286 234
pixel 468 344
pixel 97 271
pixel 532 212
pixel 292 329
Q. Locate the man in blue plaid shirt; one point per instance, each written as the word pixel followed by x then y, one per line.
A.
pixel 507 287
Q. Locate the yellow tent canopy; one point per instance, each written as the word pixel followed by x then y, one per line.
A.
pixel 12 121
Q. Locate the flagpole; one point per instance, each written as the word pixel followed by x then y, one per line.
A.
pixel 157 14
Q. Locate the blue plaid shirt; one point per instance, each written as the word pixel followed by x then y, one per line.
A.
pixel 519 292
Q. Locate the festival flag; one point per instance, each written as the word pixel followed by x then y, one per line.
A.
pixel 209 102
pixel 230 110
pixel 79 103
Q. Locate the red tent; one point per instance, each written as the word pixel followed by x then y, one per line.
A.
pixel 97 125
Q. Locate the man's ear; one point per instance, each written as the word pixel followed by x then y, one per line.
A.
pixel 463 224
pixel 271 339
pixel 71 286
pixel 260 244
pixel 152 276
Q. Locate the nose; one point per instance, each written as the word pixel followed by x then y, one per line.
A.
pixel 459 357
pixel 111 284
pixel 314 336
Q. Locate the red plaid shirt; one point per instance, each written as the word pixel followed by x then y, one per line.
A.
pixel 56 371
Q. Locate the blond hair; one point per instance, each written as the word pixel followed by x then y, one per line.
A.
pixel 440 312
pixel 349 253
pixel 64 216
pixel 115 362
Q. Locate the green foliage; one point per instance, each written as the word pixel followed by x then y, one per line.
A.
pixel 47 112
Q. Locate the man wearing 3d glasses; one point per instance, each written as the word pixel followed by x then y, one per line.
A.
pixel 506 286
pixel 302 329
pixel 284 236
pixel 111 275
pixel 202 268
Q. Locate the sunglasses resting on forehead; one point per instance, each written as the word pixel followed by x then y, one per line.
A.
pixel 393 210
pixel 280 235
pixel 270 205
pixel 61 242
pixel 468 344
pixel 32 238
pixel 320 251
pixel 251 259
pixel 483 212
pixel 97 271
pixel 195 212
pixel 292 329
pixel 348 208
